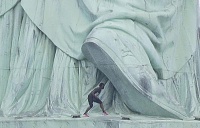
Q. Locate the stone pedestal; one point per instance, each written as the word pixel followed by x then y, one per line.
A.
pixel 100 121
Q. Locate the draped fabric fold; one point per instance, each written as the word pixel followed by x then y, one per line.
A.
pixel 6 5
pixel 171 26
pixel 31 57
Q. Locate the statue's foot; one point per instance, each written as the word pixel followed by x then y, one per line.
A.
pixel 126 83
